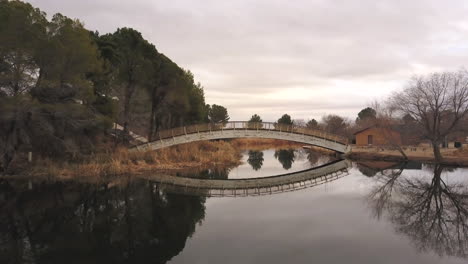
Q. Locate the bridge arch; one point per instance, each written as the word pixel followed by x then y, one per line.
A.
pixel 242 129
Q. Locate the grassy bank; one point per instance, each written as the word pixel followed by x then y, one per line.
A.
pixel 453 157
pixel 121 161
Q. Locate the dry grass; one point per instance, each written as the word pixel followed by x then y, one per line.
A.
pixel 120 161
pixel 123 162
pixel 190 155
pixel 262 144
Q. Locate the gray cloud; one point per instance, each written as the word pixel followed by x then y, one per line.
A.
pixel 251 55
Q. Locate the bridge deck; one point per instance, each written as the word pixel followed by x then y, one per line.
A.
pixel 269 126
pixel 241 129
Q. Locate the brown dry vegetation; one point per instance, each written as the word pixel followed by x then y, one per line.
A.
pixel 262 144
pixel 122 161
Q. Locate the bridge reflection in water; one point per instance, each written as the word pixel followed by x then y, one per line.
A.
pixel 253 186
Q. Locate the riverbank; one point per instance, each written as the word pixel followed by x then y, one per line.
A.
pixel 121 161
pixel 452 157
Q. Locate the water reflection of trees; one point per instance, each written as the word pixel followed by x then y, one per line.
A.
pixel 369 172
pixel 136 223
pixel 316 158
pixel 313 157
pixel 255 159
pixel 285 157
pixel 434 213
pixel 216 172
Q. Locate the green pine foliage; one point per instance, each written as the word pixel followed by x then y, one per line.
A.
pixel 61 85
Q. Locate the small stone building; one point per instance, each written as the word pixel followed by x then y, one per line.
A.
pixel 377 136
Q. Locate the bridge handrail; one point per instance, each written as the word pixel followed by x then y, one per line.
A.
pixel 246 125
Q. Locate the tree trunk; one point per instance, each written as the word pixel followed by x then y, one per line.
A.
pixel 126 114
pixel 153 114
pixel 436 148
pixel 151 126
pixel 126 117
pixel 39 78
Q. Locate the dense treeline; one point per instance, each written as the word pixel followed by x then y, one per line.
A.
pixel 61 85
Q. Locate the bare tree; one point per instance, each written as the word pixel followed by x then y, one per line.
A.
pixel 335 124
pixel 384 119
pixel 437 102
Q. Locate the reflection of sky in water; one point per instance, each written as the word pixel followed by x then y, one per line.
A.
pixel 330 223
pixel 272 166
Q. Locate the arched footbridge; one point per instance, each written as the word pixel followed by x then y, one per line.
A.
pixel 243 129
pixel 253 186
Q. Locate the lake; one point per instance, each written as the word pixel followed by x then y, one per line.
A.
pixel 379 212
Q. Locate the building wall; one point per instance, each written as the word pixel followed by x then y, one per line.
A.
pixel 381 136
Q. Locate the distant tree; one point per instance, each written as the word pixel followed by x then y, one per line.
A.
pixel 335 124
pixel 437 102
pixel 285 120
pixel 255 122
pixel 299 122
pixel 312 124
pixel 255 119
pixel 366 114
pixel 218 114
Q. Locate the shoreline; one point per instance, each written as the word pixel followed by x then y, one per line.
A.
pixel 196 155
pixel 201 155
pixel 370 154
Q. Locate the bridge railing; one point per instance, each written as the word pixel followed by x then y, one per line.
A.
pixel 245 125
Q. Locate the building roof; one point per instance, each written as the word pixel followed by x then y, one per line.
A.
pixel 362 130
pixel 373 126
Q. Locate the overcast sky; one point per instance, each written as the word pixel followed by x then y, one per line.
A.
pixel 306 58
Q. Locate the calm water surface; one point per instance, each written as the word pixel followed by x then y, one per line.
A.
pixel 380 213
